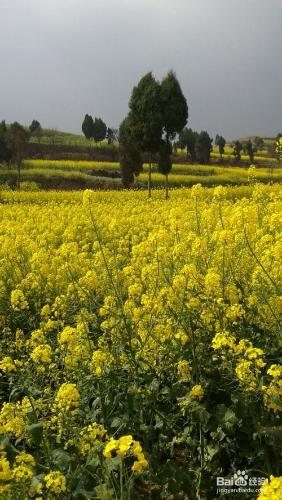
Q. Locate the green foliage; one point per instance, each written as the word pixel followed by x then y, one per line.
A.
pixel 278 147
pixel 17 137
pixel 174 106
pixel 220 142
pixel 249 150
pixel 237 148
pixel 130 157
pixel 111 135
pixel 87 126
pixel 155 109
pixel 99 130
pixel 187 139
pixel 258 143
pixel 5 147
pixel 146 118
pixel 35 129
pixel 164 160
pixel 203 147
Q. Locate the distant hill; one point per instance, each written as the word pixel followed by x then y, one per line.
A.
pixel 54 136
pixel 267 140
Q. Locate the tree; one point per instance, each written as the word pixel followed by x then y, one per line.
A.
pixel 258 143
pixel 278 147
pixel 87 126
pixel 111 135
pixel 35 129
pixel 18 139
pixel 174 106
pixel 5 148
pixel 220 142
pixel 130 158
pixel 164 162
pixel 249 150
pixel 203 147
pixel 237 148
pixel 99 130
pixel 146 118
pixel 174 117
pixel 187 139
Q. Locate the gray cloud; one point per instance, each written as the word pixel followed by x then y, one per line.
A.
pixel 63 58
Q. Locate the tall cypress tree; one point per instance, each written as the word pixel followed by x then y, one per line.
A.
pixel 87 126
pixel 174 106
pixel 146 118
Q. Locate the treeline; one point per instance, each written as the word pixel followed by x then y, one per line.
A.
pixel 199 146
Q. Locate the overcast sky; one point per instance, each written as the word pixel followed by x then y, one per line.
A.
pixel 61 59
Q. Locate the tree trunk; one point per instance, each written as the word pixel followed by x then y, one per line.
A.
pixel 166 187
pixel 150 176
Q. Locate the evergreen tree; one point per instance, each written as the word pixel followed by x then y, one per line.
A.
pixel 87 126
pixel 220 142
pixel 187 139
pixel 203 147
pixel 174 106
pixel 249 150
pixel 237 148
pixel 35 129
pixel 146 118
pixel 99 130
pixel 5 148
pixel 130 158
pixel 17 139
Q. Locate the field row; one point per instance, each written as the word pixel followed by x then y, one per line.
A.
pixel 83 174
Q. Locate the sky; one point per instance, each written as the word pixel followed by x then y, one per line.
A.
pixel 61 59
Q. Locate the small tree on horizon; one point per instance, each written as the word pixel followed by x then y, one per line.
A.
pixel 17 140
pixel 87 126
pixel 258 143
pixel 278 147
pixel 249 150
pixel 203 147
pixel 5 148
pixel 99 130
pixel 187 139
pixel 111 135
pixel 35 129
pixel 220 142
pixel 237 148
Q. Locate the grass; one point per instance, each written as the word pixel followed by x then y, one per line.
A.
pixel 53 136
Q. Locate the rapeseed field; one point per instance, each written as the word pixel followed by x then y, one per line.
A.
pixel 140 342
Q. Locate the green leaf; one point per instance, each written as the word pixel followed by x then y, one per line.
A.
pixel 113 463
pixel 61 459
pixel 36 432
pixel 116 422
pixel 159 423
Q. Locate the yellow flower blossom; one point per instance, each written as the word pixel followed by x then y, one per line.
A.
pixel 271 489
pixel 55 482
pixel 197 392
pixel 42 354
pixel 18 300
